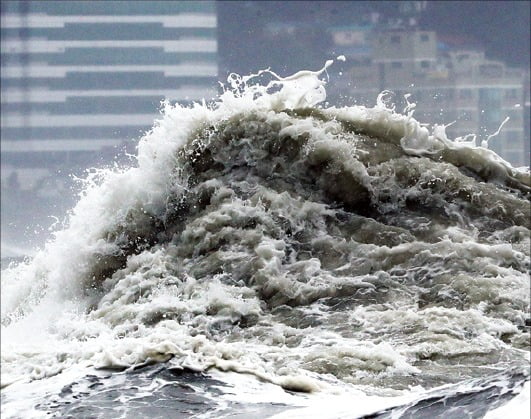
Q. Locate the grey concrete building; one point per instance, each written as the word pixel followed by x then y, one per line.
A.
pixel 447 84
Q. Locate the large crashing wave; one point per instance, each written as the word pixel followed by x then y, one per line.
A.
pixel 308 246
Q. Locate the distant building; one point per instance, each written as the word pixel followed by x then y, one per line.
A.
pixel 79 78
pixel 354 42
pixel 448 84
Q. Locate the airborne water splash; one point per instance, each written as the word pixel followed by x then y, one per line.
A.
pixel 314 248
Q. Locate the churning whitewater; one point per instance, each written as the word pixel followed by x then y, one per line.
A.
pixel 315 248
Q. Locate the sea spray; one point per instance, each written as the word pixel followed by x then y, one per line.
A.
pixel 313 248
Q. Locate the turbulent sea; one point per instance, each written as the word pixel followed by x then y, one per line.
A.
pixel 269 256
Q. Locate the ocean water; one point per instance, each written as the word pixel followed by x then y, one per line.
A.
pixel 272 256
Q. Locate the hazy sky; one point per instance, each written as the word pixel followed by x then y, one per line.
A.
pixel 502 27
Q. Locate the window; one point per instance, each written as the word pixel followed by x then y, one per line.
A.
pixel 452 116
pixel 465 94
pixel 425 64
pixel 515 115
pixel 424 37
pixel 395 39
pixel 513 142
pixel 490 97
pixel 511 93
pixel 466 116
pixel 515 156
pixel 491 70
pixel 396 64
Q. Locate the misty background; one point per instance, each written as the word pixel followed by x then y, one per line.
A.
pixel 501 28
pixel 82 81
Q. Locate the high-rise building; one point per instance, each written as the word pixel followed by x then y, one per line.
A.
pixel 79 78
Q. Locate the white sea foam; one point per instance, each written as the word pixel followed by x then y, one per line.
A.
pixel 519 407
pixel 312 248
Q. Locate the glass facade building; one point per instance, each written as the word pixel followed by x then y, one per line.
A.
pixel 80 78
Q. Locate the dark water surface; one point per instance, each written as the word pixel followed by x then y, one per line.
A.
pixel 159 391
pixel 155 391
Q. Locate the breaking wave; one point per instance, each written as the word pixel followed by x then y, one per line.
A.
pixel 312 247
